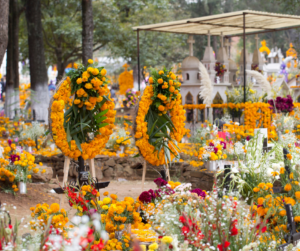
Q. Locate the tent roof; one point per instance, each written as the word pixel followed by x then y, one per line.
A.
pixel 229 24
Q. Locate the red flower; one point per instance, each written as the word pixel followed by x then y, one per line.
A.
pixel 185 230
pixel 234 231
pixel 222 247
pixel 182 219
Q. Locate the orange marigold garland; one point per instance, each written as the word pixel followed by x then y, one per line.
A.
pixel 91 105
pixel 161 101
pixel 125 80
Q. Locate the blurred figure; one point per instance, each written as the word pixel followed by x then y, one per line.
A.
pixel 3 87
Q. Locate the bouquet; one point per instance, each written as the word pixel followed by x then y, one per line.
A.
pixel 282 105
pixel 130 99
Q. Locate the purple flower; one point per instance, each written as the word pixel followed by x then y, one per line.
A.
pixel 216 149
pixel 14 157
pixel 9 142
pixel 160 182
pixel 145 197
pixel 223 144
pixel 211 144
pixel 199 192
pixel 248 138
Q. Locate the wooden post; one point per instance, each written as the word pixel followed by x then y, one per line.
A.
pixel 66 170
pixel 144 174
pixel 92 167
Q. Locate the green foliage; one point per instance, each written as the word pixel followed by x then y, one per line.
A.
pixel 82 124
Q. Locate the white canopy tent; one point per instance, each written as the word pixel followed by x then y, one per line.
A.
pixel 239 23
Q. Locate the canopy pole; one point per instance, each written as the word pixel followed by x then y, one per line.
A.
pixel 138 58
pixel 244 53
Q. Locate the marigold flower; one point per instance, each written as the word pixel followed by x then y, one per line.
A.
pixel 256 189
pixel 79 81
pixel 88 86
pixel 289 156
pixel 54 207
pixel 160 81
pixel 103 72
pixel 161 108
pixel 150 80
pixel 90 61
pixel 288 187
pixel 167 239
pixel 77 101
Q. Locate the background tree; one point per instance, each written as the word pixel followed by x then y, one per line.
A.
pixel 87 30
pixel 12 65
pixel 38 71
pixel 3 27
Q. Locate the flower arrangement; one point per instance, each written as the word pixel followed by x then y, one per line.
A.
pixel 84 199
pixel 119 137
pixel 84 128
pixel 130 99
pixel 254 67
pixel 282 105
pixel 220 69
pixel 32 131
pixel 19 168
pixel 42 213
pixel 160 112
pixel 213 151
pixel 125 80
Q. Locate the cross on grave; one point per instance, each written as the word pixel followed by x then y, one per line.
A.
pixel 293 237
pixel 256 43
pixel 227 45
pixel 191 41
pixel 83 176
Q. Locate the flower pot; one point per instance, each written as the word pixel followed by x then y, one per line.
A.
pixel 121 150
pixel 214 165
pixel 22 187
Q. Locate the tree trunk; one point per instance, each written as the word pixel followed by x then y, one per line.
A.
pixel 60 64
pixel 4 9
pixel 87 30
pixel 38 71
pixel 12 101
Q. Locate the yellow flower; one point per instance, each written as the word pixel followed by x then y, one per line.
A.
pixel 282 170
pixel 105 207
pixel 36 170
pixel 106 200
pixel 79 81
pixel 29 176
pixel 54 207
pixel 75 65
pixel 90 61
pixel 103 72
pixel 167 239
pixel 151 80
pixel 88 86
pixel 297 195
pixel 291 176
pixel 153 246
pixel 161 72
pixel 40 163
pixel 105 193
pixel 161 108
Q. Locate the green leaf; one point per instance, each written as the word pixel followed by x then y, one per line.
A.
pixel 102 125
pixel 101 119
pixel 77 143
pixel 100 114
pixel 68 135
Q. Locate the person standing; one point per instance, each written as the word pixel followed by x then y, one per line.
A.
pixel 3 86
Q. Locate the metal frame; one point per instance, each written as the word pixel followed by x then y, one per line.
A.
pixel 206 22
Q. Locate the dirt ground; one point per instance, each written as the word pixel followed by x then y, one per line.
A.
pixel 19 205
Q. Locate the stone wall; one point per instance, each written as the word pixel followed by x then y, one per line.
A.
pixel 129 168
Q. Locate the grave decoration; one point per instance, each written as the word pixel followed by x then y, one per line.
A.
pixel 82 115
pixel 159 123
